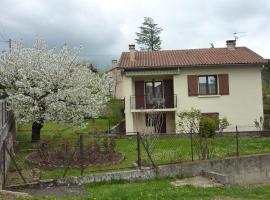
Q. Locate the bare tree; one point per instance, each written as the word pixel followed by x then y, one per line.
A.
pixel 151 131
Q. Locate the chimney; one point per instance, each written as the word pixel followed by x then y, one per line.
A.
pixel 132 52
pixel 114 63
pixel 231 44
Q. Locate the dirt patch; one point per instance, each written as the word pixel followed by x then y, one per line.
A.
pixel 55 161
pixel 57 191
pixel 197 181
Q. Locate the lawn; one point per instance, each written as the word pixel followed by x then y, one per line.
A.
pixel 161 189
pixel 167 149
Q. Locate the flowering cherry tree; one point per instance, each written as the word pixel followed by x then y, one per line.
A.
pixel 44 85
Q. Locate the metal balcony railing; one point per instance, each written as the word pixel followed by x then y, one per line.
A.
pixel 151 102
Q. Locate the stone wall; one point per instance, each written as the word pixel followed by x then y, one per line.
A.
pixel 236 170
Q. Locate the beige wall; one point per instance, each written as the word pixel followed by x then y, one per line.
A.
pixel 140 126
pixel 170 122
pixel 128 91
pixel 242 106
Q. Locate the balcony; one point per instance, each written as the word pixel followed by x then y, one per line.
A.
pixel 142 102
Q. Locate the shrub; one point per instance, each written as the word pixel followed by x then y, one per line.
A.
pixel 115 111
pixel 208 127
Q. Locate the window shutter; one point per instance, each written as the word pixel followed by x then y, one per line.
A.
pixel 168 93
pixel 223 84
pixel 139 94
pixel 192 85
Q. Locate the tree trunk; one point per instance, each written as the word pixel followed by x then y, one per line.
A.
pixel 36 127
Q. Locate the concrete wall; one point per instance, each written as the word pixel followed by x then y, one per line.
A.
pixel 238 170
pixel 242 106
pixel 254 169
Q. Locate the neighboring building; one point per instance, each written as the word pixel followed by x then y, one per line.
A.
pixel 221 82
pixel 115 74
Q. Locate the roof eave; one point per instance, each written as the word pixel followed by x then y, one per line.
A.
pixel 189 66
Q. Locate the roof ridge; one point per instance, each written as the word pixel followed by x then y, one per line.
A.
pixel 191 57
pixel 170 50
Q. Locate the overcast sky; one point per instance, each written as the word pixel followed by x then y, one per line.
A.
pixel 106 27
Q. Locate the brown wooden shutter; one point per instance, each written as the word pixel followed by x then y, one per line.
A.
pixel 223 84
pixel 213 115
pixel 168 93
pixel 139 94
pixel 192 85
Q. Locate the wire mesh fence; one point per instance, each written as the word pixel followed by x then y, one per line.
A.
pixel 4 113
pixel 73 156
pixel 175 148
pixel 85 154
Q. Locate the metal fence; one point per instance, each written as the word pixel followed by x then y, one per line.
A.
pixel 7 133
pixel 4 113
pixel 59 156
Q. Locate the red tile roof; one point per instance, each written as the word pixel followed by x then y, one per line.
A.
pixel 190 57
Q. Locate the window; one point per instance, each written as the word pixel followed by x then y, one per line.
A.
pixel 207 85
pixel 154 92
pixel 149 120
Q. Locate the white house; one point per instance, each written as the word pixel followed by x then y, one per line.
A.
pixel 221 82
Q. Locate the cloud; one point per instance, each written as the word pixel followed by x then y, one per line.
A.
pixel 105 27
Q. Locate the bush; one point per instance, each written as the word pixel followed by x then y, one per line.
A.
pixel 208 127
pixel 115 111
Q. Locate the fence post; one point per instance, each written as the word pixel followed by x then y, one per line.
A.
pixel 4 165
pixel 138 150
pixel 191 145
pixel 81 153
pixel 237 141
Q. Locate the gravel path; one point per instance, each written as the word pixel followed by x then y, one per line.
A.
pixel 57 191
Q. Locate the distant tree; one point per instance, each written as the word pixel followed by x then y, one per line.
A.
pixel 266 86
pixel 148 37
pixel 90 66
pixel 266 72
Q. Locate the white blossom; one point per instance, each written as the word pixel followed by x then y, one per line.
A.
pixel 43 84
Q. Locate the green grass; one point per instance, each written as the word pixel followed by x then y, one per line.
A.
pixel 167 149
pixel 162 189
pixel 61 130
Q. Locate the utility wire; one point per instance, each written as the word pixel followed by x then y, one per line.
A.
pixel 2 36
pixel 4 33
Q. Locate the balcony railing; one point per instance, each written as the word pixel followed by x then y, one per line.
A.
pixel 150 102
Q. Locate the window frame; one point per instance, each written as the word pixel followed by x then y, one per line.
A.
pixel 153 86
pixel 149 122
pixel 207 84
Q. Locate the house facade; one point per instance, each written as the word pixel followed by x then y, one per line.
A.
pixel 221 82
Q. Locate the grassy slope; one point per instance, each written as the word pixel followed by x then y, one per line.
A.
pixel 163 190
